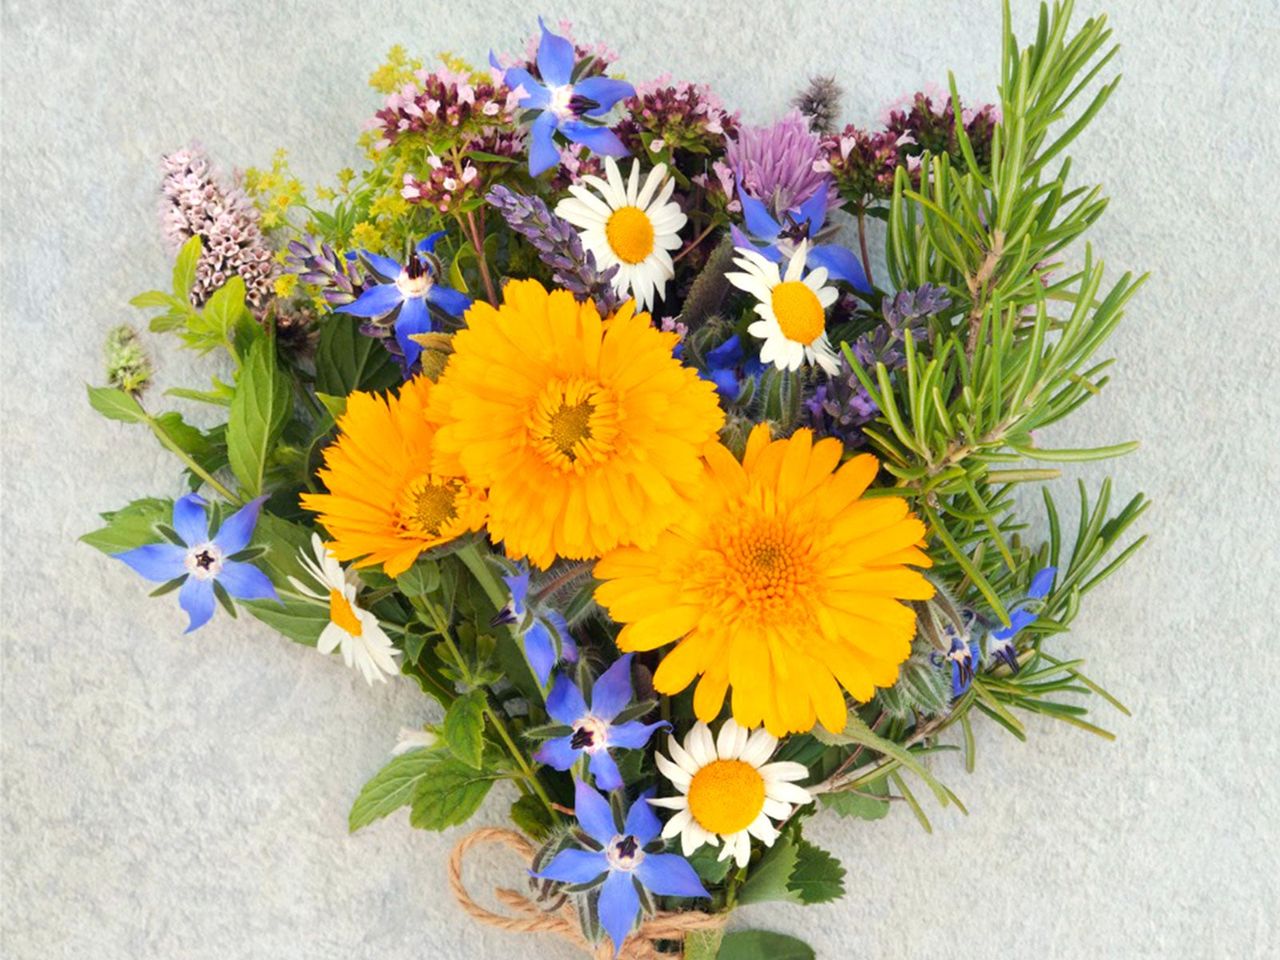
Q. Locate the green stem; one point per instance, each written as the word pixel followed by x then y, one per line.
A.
pixel 168 443
pixel 494 718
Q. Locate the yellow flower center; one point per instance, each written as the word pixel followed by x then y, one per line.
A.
pixel 725 796
pixel 573 424
pixel 429 504
pixel 630 234
pixel 799 312
pixel 343 614
pixel 768 560
pixel 570 425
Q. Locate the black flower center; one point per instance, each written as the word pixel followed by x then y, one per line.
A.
pixel 205 559
pixel 582 739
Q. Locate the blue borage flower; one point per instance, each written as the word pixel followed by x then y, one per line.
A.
pixel 564 105
pixel 630 856
pixel 544 631
pixel 594 730
pixel 964 657
pixel 728 367
pixel 203 561
pixel 776 240
pixel 408 288
pixel 1002 646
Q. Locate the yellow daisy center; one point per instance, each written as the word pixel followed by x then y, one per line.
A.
pixel 725 796
pixel 428 505
pixel 630 234
pixel 573 424
pixel 799 312
pixel 343 614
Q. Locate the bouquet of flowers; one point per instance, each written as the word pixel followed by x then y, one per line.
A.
pixel 585 407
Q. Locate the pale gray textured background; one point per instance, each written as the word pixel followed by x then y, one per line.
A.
pixel 170 797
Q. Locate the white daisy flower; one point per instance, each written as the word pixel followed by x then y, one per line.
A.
pixel 792 309
pixel 630 225
pixel 728 789
pixel 365 645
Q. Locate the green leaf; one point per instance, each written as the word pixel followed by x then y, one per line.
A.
pixel 391 788
pixel 530 815
pixel 226 308
pixel 464 728
pixel 184 268
pixel 347 360
pixel 868 802
pixel 336 406
pixel 131 526
pixel 153 299
pixel 301 621
pixel 817 877
pixel 258 414
pixel 114 404
pixel 763 945
pixel 769 879
pixel 705 860
pixel 449 795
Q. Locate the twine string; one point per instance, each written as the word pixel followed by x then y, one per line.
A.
pixel 527 917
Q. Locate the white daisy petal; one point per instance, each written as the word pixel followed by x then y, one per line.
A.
pixel 787 793
pixel 783 770
pixel 671 803
pixel 701 745
pixel 760 747
pixel 762 829
pixel 681 756
pixel 678 777
pixel 776 808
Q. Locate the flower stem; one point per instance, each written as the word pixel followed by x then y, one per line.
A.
pixel 171 445
pixel 480 569
pixel 494 718
pixel 477 241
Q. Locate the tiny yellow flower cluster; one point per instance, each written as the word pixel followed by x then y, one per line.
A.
pixel 396 72
pixel 275 192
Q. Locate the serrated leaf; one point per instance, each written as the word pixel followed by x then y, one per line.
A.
pixel 449 796
pixel 817 877
pixel 762 945
pixel 391 788
pixel 258 413
pixel 114 404
pixel 464 728
pixel 131 526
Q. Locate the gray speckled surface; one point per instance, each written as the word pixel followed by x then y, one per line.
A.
pixel 171 797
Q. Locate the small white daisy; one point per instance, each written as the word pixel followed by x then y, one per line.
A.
pixel 630 225
pixel 728 789
pixel 792 309
pixel 365 645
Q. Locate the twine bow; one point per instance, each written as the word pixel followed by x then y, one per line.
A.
pixel 530 918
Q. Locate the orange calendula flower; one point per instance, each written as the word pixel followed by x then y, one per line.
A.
pixel 586 432
pixel 784 584
pixel 385 503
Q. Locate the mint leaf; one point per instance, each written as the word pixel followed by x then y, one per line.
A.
pixel 464 728
pixel 391 788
